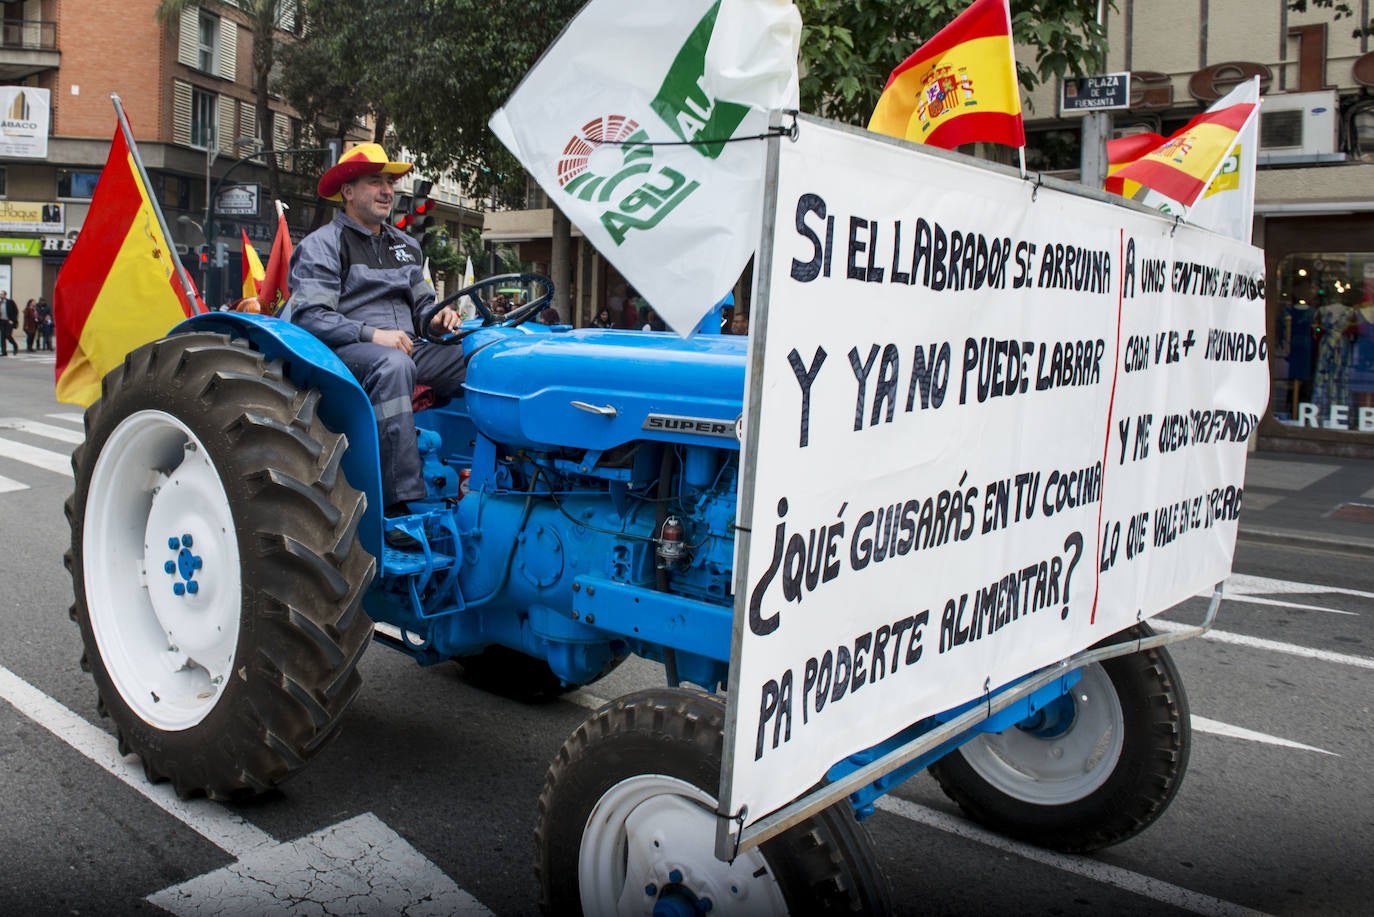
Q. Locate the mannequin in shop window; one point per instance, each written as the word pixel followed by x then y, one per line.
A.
pixel 1362 356
pixel 1333 331
pixel 1296 348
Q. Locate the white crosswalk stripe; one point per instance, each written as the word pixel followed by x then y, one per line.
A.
pixel 69 433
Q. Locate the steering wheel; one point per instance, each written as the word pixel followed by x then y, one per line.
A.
pixel 514 317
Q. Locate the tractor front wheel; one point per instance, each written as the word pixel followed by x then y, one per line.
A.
pixel 627 825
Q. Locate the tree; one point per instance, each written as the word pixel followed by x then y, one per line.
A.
pixel 264 19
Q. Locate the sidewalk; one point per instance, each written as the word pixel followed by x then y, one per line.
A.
pixel 1307 500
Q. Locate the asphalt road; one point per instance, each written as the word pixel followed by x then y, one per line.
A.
pixel 433 781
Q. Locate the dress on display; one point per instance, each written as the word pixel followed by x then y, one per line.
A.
pixel 1333 328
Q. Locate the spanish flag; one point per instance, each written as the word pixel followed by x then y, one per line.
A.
pixel 1122 151
pixel 959 87
pixel 252 268
pixel 121 285
pixel 1182 166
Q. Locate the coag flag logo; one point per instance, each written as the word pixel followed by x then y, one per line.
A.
pixel 610 161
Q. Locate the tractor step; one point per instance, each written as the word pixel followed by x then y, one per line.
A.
pixel 408 563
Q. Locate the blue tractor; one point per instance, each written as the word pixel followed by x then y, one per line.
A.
pixel 230 569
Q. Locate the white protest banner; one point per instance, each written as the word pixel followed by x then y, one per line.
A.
pixel 603 121
pixel 996 423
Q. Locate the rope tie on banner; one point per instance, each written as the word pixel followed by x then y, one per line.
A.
pixel 1039 180
pixel 1177 221
pixel 738 820
pixel 987 694
pixel 790 131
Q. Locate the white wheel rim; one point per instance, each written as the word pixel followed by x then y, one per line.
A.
pixel 1064 768
pixel 652 831
pixel 166 637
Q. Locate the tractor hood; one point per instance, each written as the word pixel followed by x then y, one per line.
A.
pixel 595 389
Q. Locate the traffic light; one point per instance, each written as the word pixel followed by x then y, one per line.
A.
pixel 421 209
pixel 204 257
pixel 221 254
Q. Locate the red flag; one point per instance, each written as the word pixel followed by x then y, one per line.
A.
pixel 274 291
pixel 959 87
pixel 121 284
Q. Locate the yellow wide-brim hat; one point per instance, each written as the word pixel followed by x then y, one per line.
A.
pixel 363 159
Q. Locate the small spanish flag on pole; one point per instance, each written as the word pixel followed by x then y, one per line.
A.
pixel 122 285
pixel 1182 166
pixel 959 87
pixel 252 268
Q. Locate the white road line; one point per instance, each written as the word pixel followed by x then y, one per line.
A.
pixel 360 861
pixel 1256 600
pixel 38 428
pixel 210 820
pixel 58 462
pixel 1292 649
pixel 8 485
pixel 69 416
pixel 1246 584
pixel 1124 879
pixel 1218 728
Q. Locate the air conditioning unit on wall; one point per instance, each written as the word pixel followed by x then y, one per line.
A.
pixel 1298 127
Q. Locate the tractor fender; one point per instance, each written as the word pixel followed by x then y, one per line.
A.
pixel 344 406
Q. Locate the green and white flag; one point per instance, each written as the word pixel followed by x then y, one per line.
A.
pixel 615 125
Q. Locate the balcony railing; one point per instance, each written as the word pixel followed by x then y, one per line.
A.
pixel 28 35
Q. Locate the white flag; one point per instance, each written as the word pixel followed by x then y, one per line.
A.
pixel 466 309
pixel 752 57
pixel 602 123
pixel 1228 205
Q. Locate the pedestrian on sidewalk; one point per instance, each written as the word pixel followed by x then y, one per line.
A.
pixel 30 324
pixel 9 320
pixel 45 325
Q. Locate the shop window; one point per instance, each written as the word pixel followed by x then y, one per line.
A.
pixel 1323 345
pixel 76 184
pixel 176 193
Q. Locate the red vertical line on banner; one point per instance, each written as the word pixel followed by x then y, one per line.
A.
pixel 1107 438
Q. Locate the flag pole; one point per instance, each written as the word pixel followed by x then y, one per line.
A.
pixel 186 285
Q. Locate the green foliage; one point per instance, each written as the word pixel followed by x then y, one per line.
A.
pixel 1339 9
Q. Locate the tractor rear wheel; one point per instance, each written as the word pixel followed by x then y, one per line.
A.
pixel 1096 767
pixel 217 572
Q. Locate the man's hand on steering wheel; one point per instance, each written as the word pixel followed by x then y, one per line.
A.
pixel 445 321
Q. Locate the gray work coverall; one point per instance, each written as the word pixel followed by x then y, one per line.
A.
pixel 346 283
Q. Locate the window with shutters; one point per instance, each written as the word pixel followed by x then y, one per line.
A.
pixel 204 118
pixel 207 48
